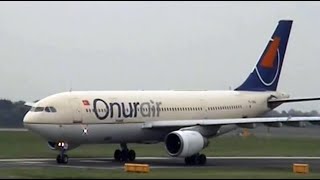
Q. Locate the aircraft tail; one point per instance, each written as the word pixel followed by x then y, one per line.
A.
pixel 266 73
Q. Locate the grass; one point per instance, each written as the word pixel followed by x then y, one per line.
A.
pixel 27 144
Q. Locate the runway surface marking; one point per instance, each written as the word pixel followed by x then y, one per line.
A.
pixel 162 158
pixel 98 159
pixel 165 162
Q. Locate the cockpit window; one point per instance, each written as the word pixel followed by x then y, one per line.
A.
pixel 39 109
pixel 47 109
pixel 53 109
pixel 32 109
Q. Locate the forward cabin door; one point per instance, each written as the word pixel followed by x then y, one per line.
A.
pixel 76 104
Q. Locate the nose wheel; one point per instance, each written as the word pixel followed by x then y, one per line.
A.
pixel 62 158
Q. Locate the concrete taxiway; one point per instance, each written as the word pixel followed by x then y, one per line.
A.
pixel 164 162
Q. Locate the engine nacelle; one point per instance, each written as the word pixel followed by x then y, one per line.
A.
pixel 55 146
pixel 184 143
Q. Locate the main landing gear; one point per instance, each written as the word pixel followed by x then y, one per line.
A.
pixel 62 158
pixel 124 154
pixel 195 159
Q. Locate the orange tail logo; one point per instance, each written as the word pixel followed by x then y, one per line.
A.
pixel 269 57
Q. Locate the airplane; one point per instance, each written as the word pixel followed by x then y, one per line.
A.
pixel 183 120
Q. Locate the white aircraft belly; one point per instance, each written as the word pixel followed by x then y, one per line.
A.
pixel 99 133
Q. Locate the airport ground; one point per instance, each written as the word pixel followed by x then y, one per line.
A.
pixel 84 160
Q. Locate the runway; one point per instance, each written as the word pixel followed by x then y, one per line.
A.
pixel 164 162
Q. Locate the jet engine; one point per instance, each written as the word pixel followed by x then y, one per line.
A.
pixel 184 143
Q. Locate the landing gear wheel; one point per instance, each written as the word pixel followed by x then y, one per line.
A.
pixel 62 159
pixel 131 155
pixel 117 155
pixel 58 159
pixel 187 160
pixel 65 159
pixel 124 155
pixel 196 159
pixel 202 159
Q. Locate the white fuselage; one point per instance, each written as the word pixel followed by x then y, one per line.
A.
pixel 118 116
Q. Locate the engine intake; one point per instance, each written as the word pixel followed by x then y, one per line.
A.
pixel 184 143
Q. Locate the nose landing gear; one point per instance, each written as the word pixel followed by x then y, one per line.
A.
pixel 62 158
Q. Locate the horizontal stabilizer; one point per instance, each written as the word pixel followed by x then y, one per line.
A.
pixel 293 100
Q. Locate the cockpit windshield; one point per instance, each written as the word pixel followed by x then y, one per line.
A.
pixel 46 109
pixel 52 109
pixel 38 109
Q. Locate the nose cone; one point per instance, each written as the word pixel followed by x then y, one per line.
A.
pixel 27 118
pixel 30 121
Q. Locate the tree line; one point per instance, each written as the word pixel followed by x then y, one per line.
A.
pixel 12 113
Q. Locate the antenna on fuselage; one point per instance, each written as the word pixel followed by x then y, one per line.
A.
pixel 70 90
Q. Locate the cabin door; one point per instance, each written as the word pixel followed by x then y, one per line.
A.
pixel 76 104
pixel 204 108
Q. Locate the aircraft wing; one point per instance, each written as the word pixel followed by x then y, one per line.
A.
pixel 237 121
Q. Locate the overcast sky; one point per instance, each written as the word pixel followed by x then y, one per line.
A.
pixel 50 47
